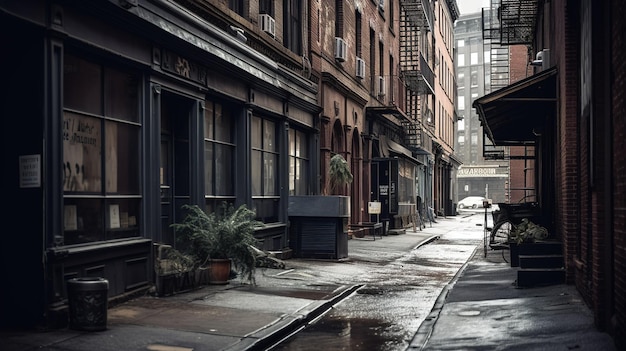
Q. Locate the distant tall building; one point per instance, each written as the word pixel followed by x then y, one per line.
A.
pixel 480 174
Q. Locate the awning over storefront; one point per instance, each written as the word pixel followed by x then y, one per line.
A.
pixel 389 148
pixel 518 113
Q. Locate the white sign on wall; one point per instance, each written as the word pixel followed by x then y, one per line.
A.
pixel 373 207
pixel 30 171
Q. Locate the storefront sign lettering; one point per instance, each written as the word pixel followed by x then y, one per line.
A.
pixel 383 190
pixel 30 171
pixel 476 171
pixel 183 67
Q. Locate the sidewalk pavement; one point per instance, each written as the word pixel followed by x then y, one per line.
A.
pixel 479 309
pixel 482 309
pixel 235 316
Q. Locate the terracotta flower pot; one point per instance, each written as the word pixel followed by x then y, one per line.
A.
pixel 220 271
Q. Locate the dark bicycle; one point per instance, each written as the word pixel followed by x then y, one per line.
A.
pixel 506 218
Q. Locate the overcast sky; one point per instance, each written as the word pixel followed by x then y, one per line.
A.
pixel 471 6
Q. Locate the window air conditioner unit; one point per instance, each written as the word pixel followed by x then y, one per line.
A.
pixel 268 24
pixel 340 49
pixel 381 86
pixel 381 5
pixel 360 67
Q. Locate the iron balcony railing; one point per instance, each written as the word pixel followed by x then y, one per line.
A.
pixel 420 79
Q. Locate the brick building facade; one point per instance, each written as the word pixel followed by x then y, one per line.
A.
pixel 576 110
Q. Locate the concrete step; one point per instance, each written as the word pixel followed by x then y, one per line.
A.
pixel 541 248
pixel 541 261
pixel 529 277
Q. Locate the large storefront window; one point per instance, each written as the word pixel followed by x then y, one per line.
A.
pixel 219 155
pixel 298 163
pixel 406 182
pixel 265 193
pixel 101 152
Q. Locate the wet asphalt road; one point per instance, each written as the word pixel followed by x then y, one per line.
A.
pixel 398 292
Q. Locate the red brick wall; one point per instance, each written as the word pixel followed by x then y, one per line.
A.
pixel 519 67
pixel 618 86
pixel 518 176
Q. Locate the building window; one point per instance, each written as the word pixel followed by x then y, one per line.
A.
pixel 358 35
pixel 237 6
pixel 372 55
pixel 101 152
pixel 474 137
pixel 461 102
pixel 219 155
pixel 266 7
pixel 292 31
pixel 298 163
pixel 265 177
pixel 391 15
pixel 461 60
pixel 338 18
pixel 474 78
pixel 473 58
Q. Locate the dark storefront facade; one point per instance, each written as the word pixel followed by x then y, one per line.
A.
pixel 118 113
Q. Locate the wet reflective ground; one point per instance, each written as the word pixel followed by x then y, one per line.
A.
pixel 396 297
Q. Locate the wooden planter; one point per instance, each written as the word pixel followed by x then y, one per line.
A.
pixel 202 275
pixel 220 271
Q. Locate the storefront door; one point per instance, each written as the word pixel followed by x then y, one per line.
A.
pixel 176 112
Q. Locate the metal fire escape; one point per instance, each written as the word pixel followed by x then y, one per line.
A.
pixel 416 20
pixel 505 23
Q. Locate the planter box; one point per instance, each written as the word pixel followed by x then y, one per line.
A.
pixel 318 226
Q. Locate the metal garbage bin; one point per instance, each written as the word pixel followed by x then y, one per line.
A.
pixel 88 303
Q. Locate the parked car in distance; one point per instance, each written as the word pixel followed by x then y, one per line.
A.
pixel 471 202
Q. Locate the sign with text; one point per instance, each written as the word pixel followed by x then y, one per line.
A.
pixel 373 207
pixel 30 171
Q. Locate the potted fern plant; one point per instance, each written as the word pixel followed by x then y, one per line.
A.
pixel 223 241
pixel 526 232
pixel 339 173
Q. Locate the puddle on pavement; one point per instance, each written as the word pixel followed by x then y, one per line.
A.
pixel 341 333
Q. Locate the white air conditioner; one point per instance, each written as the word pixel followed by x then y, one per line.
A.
pixel 381 86
pixel 340 49
pixel 360 67
pixel 268 24
pixel 381 5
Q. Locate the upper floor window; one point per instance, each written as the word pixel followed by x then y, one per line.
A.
pixel 237 6
pixel 473 58
pixel 266 7
pixel 338 18
pixel 358 34
pixel 292 26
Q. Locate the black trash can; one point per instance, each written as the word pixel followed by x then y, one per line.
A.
pixel 88 303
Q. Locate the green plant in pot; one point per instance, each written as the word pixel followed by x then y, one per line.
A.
pixel 225 236
pixel 339 173
pixel 528 232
